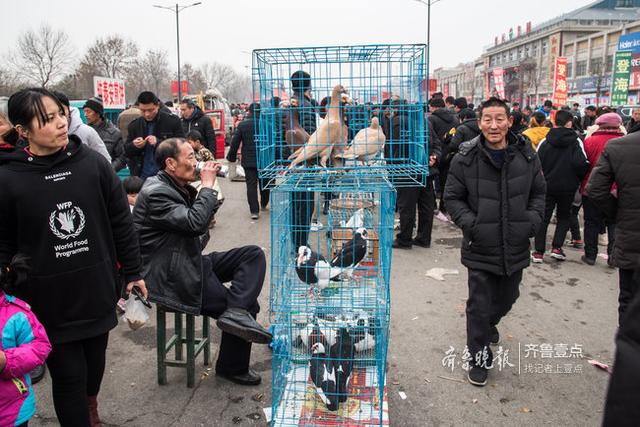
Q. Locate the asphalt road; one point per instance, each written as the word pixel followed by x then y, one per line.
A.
pixel 561 303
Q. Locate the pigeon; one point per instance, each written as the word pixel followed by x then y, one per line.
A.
pixel 313 269
pixel 367 143
pixel 341 353
pixel 365 333
pixel 296 136
pixel 357 219
pixel 323 375
pixel 352 252
pixel 329 132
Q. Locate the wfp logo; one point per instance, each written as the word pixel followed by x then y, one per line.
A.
pixel 67 221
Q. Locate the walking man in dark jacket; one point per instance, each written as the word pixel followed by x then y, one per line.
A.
pixel 564 164
pixel 146 132
pixel 244 135
pixel 466 130
pixel 495 194
pixel 109 133
pixel 172 223
pixel 620 164
pixel 194 119
pixel 443 122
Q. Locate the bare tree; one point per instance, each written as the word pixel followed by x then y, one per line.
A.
pixel 43 56
pixel 197 82
pixel 9 82
pixel 219 76
pixel 151 72
pixel 111 56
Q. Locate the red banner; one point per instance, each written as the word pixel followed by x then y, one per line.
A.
pixel 111 91
pixel 445 90
pixel 560 90
pixel 634 79
pixel 498 81
pixel 184 87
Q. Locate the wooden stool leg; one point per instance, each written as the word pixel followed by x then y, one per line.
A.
pixel 191 347
pixel 205 336
pixel 177 321
pixel 161 344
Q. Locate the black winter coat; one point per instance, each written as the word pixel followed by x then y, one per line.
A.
pixel 244 134
pixel 498 209
pixel 622 407
pixel 68 213
pixel 620 163
pixel 172 224
pixel 442 121
pixel 167 126
pixel 112 138
pixel 202 123
pixel 564 162
pixel 308 108
pixel 466 131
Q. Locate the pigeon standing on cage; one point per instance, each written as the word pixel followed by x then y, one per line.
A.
pixel 366 145
pixel 323 375
pixel 329 131
pixel 352 252
pixel 342 353
pixel 313 268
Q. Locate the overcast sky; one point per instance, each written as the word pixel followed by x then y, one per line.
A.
pixel 220 30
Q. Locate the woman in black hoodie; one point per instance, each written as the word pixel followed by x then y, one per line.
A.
pixel 63 207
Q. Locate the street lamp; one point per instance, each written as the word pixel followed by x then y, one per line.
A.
pixel 428 3
pixel 177 9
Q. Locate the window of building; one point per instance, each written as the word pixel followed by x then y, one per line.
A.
pixel 535 50
pixel 624 3
pixel 511 55
pixel 581 68
pixel 609 63
pixel 569 70
pixel 596 66
pixel 544 47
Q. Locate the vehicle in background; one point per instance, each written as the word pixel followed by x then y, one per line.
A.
pixel 218 120
pixel 626 111
pixel 110 114
pixel 211 100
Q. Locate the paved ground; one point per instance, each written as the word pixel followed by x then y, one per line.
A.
pixel 567 303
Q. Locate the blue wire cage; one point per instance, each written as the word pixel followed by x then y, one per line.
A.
pixel 342 109
pixel 341 218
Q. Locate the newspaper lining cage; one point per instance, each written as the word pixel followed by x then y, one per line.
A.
pixel 344 109
pixel 329 303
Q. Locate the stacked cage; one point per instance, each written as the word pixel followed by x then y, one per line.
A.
pixel 333 166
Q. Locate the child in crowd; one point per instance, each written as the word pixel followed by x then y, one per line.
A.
pixel 202 154
pixel 24 345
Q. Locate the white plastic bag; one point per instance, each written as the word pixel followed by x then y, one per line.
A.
pixel 135 313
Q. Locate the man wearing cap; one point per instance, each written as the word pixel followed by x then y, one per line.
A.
pixel 110 134
pixel 594 221
pixel 192 118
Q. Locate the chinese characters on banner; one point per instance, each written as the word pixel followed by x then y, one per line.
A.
pixel 554 51
pixel 634 82
pixel 560 90
pixel 111 91
pixel 620 80
pixel 498 80
pixel 184 87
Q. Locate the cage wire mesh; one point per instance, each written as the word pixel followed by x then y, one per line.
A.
pixel 329 308
pixel 344 109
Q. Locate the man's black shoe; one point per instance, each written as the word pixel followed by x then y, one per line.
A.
pixel 251 377
pixel 589 261
pixel 396 244
pixel 239 322
pixel 37 374
pixel 494 336
pixel 421 243
pixel 477 376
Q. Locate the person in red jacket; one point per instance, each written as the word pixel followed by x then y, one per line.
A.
pixel 594 221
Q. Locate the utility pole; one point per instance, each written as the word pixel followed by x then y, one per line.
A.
pixel 428 3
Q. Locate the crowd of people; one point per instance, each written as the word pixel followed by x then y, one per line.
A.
pixel 69 227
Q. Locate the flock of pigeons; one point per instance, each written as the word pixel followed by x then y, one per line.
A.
pixel 330 140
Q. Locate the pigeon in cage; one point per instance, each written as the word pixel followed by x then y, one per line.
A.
pixel 367 143
pixel 356 220
pixel 365 333
pixel 323 375
pixel 329 131
pixel 296 136
pixel 313 269
pixel 342 353
pixel 352 252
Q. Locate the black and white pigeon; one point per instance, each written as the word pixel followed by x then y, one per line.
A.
pixel 352 252
pixel 342 353
pixel 363 332
pixel 313 269
pixel 323 375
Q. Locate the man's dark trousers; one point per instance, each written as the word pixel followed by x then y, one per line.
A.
pixel 252 181
pixel 563 204
pixel 594 222
pixel 490 298
pixel 628 289
pixel 245 268
pixel 408 199
pixel 302 208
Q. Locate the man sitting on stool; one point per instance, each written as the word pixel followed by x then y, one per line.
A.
pixel 172 223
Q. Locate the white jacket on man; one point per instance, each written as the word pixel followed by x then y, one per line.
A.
pixel 87 134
